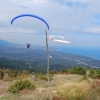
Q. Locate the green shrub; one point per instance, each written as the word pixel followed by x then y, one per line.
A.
pixel 25 72
pixel 44 78
pixel 78 70
pixel 98 75
pixel 92 71
pixel 84 78
pixel 53 72
pixel 94 76
pixel 19 85
pixel 1 74
pixel 64 71
pixel 13 73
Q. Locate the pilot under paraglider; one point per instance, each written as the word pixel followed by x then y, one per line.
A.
pixel 28 45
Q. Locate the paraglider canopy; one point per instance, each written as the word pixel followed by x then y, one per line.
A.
pixel 28 45
pixel 30 15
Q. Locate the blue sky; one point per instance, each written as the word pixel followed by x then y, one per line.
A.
pixel 77 20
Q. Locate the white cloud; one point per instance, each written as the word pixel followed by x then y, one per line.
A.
pixel 92 30
pixel 15 30
pixel 63 16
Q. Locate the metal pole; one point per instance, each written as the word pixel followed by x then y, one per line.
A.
pixel 48 66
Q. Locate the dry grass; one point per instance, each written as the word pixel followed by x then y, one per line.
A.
pixel 68 86
pixel 74 91
pixel 41 92
pixel 38 94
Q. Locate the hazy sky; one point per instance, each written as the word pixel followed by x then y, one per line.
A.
pixel 77 20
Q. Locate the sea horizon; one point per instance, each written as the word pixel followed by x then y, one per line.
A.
pixel 84 51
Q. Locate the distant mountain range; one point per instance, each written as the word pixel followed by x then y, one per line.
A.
pixel 4 43
pixel 18 57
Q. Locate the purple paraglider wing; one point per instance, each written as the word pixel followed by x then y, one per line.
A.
pixel 30 15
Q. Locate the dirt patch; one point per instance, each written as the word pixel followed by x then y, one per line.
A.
pixel 26 91
pixel 4 86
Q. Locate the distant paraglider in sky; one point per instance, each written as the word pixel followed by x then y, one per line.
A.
pixel 28 45
pixel 30 15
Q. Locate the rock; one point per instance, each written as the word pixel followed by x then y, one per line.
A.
pixel 33 78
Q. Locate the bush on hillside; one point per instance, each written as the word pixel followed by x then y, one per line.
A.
pixel 97 71
pixel 92 71
pixel 25 72
pixel 53 72
pixel 1 74
pixel 13 73
pixel 95 74
pixel 44 78
pixel 20 85
pixel 78 70
pixel 64 71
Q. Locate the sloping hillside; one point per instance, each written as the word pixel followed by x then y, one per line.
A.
pixel 67 87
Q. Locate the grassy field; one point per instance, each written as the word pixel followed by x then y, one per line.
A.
pixel 69 87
